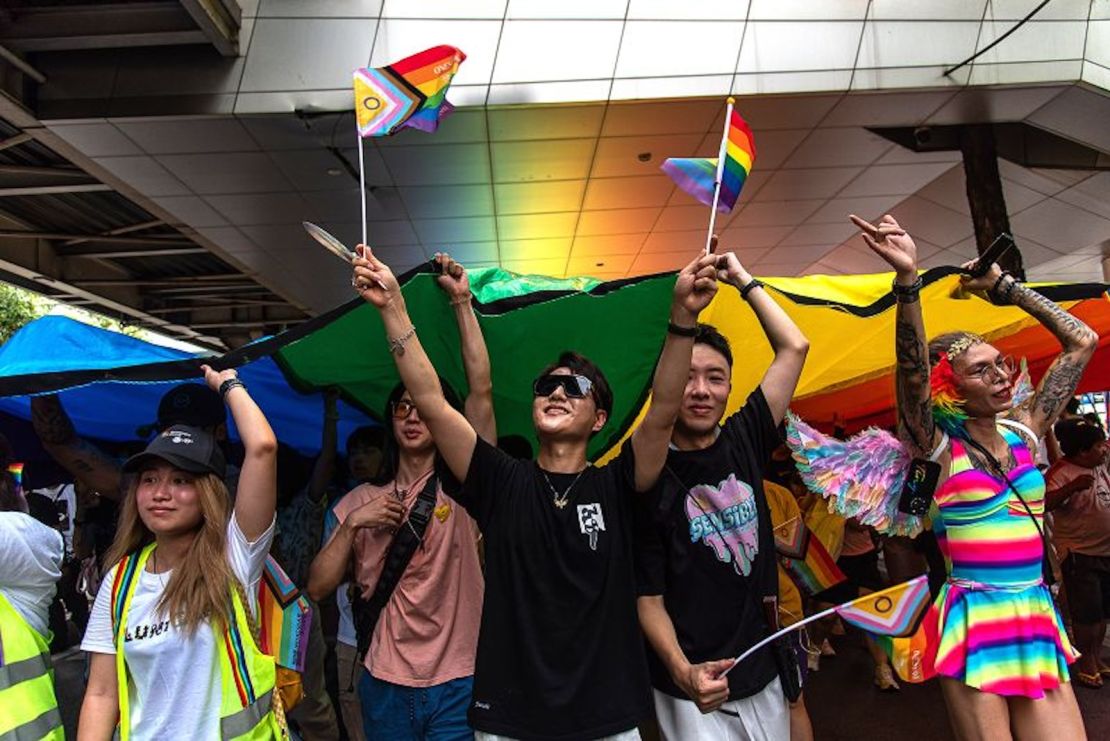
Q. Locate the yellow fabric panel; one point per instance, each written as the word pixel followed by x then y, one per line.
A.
pixel 845 349
pixel 784 508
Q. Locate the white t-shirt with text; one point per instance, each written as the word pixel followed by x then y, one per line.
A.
pixel 31 557
pixel 173 677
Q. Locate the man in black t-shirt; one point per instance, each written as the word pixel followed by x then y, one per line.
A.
pixel 559 651
pixel 705 546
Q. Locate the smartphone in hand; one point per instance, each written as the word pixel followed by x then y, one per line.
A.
pixel 999 247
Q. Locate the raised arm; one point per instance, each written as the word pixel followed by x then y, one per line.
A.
pixel 911 377
pixel 478 406
pixel 324 468
pixel 256 496
pixel 694 288
pixel 1079 342
pixel 787 341
pixel 455 438
pixel 86 462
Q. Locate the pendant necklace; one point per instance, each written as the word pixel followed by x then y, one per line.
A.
pixel 560 500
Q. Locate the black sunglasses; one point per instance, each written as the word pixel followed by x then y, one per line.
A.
pixel 575 387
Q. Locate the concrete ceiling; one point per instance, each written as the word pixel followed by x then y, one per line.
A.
pixel 551 164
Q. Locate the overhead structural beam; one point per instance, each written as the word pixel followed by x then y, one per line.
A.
pixel 169 240
pixel 121 230
pixel 216 307
pixel 71 290
pixel 49 190
pixel 103 25
pixel 169 282
pixel 218 22
pixel 36 171
pixel 15 141
pixel 103 254
pixel 21 64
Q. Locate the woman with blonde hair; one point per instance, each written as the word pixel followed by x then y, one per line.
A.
pixel 1002 654
pixel 170 637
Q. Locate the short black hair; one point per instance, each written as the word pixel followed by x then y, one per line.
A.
pixel 1077 436
pixel 1072 407
pixel 709 335
pixel 583 366
pixel 366 436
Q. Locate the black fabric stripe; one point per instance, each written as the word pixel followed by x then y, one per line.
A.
pixel 38 383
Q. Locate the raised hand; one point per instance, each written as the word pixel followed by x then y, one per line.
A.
pixel 983 283
pixel 889 241
pixel 373 279
pixel 452 277
pixel 215 378
pixel 696 285
pixel 730 270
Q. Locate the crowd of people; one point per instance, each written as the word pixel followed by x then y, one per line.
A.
pixel 462 589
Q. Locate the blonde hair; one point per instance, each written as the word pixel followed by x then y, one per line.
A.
pixel 199 590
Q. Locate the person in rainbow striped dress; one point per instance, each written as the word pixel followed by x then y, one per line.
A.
pixel 1000 648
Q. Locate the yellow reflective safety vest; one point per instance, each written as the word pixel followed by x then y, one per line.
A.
pixel 28 707
pixel 246 674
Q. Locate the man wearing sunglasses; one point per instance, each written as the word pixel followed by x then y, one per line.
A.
pixel 559 653
pixel 422 642
pixel 705 545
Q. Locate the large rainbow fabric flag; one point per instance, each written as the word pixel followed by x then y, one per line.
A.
pixel 698 175
pixel 411 92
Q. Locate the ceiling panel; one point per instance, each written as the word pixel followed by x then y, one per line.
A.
pixel 444 201
pixel 230 172
pixel 455 164
pixel 641 155
pixel 613 193
pixel 565 159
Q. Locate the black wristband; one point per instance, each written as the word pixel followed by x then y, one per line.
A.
pixel 230 384
pixel 906 294
pixel 747 288
pixel 682 331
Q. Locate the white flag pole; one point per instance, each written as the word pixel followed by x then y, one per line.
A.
pixel 773 636
pixel 361 182
pixel 720 174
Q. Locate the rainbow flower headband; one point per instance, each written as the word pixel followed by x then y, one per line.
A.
pixel 947 401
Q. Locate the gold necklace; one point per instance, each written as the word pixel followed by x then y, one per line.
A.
pixel 560 500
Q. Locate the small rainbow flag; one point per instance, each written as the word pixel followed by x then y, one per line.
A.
pixel 284 617
pixel 698 175
pixel 815 570
pixel 896 611
pixel 16 470
pixel 411 92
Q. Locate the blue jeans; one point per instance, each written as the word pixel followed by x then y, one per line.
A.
pixel 392 712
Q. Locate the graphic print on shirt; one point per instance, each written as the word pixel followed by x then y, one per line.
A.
pixel 725 518
pixel 591 522
pixel 142 632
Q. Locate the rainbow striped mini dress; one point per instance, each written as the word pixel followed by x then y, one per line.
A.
pixel 999 630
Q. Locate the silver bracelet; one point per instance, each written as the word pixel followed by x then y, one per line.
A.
pixel 397 344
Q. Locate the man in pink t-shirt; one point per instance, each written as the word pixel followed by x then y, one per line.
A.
pixel 420 662
pixel 1078 495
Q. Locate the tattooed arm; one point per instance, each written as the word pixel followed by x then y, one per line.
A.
pixel 1079 341
pixel 915 410
pixel 88 463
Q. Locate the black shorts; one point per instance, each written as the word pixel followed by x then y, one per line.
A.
pixel 862 571
pixel 1087 583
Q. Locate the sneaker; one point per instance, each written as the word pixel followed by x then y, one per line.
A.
pixel 827 649
pixel 813 662
pixel 884 679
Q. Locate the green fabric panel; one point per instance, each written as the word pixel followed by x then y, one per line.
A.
pixel 621 330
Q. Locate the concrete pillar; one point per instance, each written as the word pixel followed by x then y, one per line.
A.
pixel 984 193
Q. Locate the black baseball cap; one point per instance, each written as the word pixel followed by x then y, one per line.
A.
pixel 189 448
pixel 192 404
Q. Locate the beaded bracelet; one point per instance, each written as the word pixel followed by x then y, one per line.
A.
pixel 907 294
pixel 230 384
